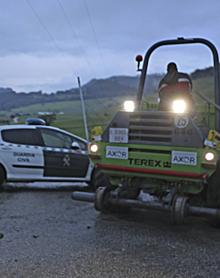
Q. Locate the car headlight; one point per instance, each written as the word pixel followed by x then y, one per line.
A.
pixel 179 106
pixel 209 156
pixel 93 148
pixel 129 105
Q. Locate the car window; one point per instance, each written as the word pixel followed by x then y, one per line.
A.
pixel 22 136
pixel 83 145
pixel 57 139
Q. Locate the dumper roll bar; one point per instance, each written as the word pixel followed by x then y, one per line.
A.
pixel 184 41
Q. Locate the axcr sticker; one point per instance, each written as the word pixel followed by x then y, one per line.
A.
pixel 118 135
pixel 184 158
pixel 117 152
pixel 181 121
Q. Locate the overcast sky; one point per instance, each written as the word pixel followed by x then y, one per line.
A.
pixel 45 45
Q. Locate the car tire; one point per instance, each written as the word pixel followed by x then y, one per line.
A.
pixel 2 175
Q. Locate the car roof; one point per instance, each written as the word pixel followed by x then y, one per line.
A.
pixel 3 127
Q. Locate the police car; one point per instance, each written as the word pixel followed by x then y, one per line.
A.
pixel 42 153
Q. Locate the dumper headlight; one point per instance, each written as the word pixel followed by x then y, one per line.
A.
pixel 209 156
pixel 179 106
pixel 93 148
pixel 129 105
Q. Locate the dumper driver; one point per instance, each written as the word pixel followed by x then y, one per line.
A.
pixel 174 84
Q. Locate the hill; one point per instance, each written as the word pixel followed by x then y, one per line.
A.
pixel 103 97
pixel 96 88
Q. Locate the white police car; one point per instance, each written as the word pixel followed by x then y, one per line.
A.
pixel 42 153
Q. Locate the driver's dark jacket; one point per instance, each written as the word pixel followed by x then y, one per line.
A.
pixel 173 85
pixel 174 81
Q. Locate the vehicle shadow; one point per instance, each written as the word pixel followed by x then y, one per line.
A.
pixel 149 219
pixel 42 186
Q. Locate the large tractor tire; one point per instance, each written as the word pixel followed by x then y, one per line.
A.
pixel 98 179
pixel 178 211
pixel 213 196
pixel 102 188
pixel 213 191
pixel 132 191
pixel 101 199
pixel 101 185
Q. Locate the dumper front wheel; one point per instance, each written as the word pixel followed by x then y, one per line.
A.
pixel 178 210
pixel 99 179
pixel 101 199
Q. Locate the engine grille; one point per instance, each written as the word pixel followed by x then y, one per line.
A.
pixel 150 127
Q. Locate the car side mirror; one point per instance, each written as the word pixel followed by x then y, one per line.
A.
pixel 75 146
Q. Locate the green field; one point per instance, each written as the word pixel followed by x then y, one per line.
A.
pixel 99 111
pixel 69 113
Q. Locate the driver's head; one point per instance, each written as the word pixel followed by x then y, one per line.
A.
pixel 171 67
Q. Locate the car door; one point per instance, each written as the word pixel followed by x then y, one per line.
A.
pixel 60 160
pixel 21 153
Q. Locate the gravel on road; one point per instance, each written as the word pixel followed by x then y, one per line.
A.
pixel 46 234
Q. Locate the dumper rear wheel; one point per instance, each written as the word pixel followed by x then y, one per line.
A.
pixel 213 196
pixel 213 191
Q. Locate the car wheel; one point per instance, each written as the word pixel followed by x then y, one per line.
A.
pixel 2 176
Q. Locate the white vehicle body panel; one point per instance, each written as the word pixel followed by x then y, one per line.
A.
pixel 15 157
pixel 28 163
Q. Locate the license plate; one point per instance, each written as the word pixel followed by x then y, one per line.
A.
pixel 118 135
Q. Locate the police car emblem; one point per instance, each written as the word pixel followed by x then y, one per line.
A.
pixel 66 161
